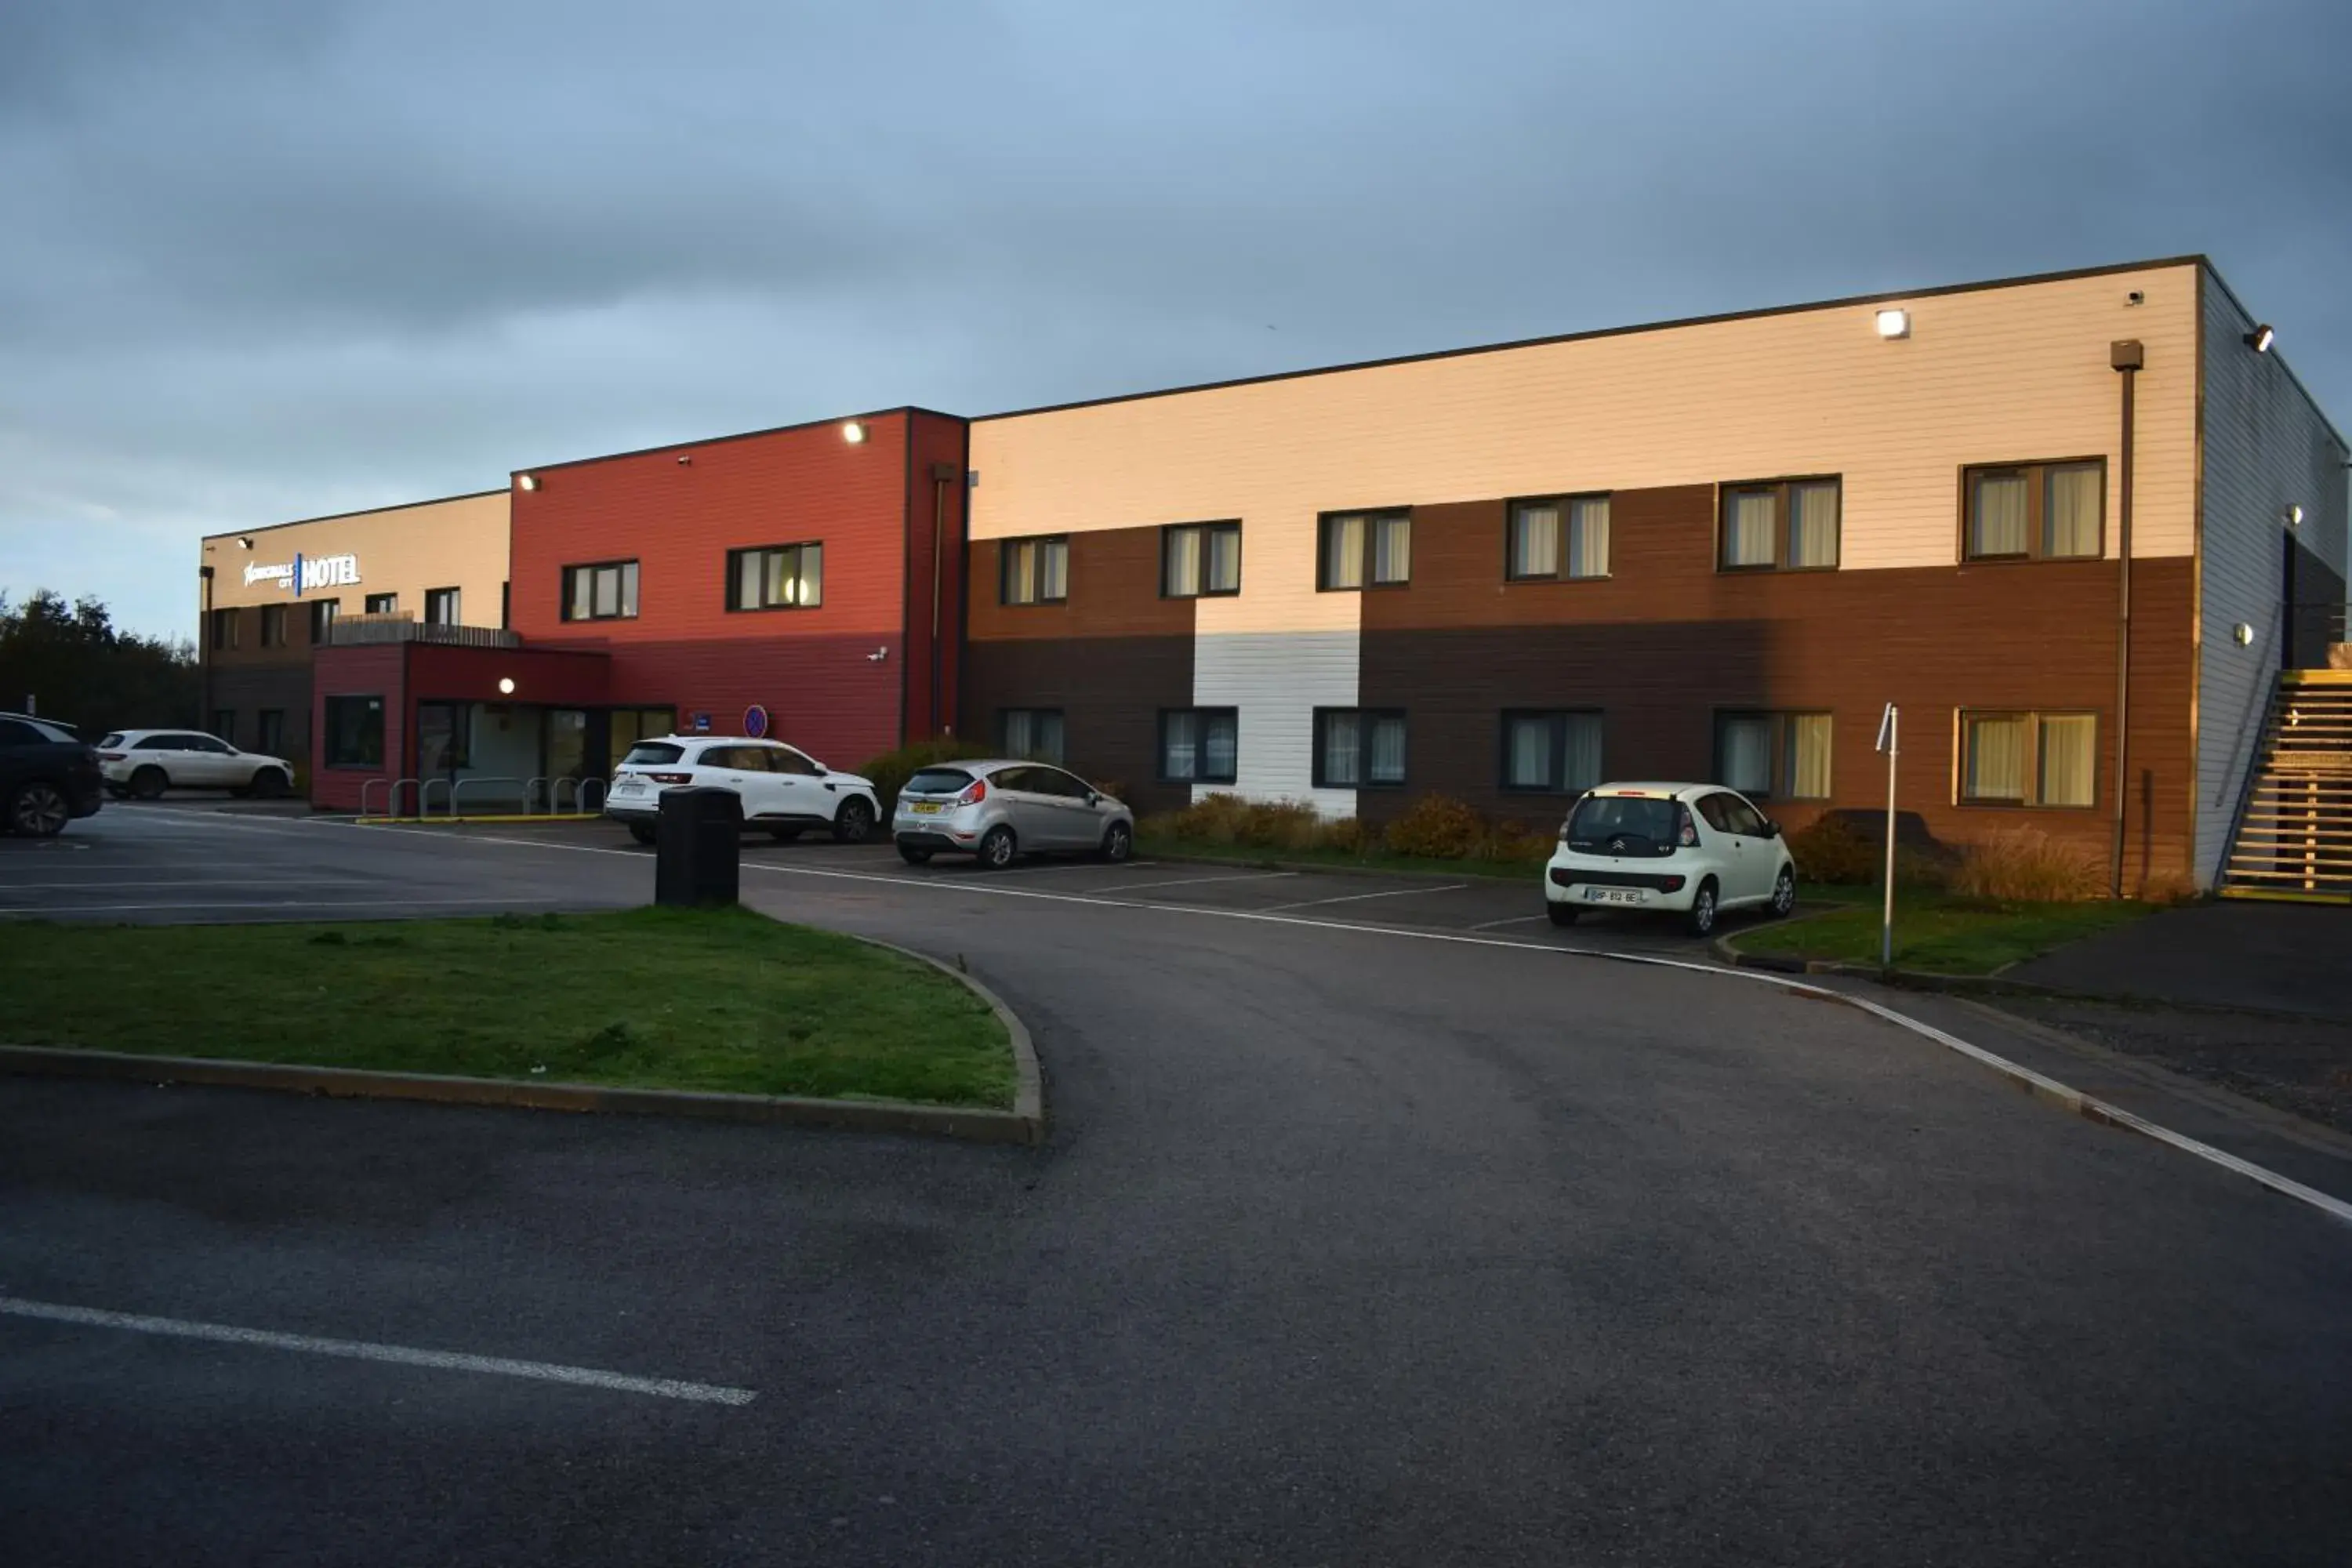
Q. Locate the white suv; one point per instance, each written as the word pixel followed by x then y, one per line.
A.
pixel 146 762
pixel 783 790
pixel 1692 849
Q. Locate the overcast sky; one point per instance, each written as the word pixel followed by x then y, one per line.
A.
pixel 263 260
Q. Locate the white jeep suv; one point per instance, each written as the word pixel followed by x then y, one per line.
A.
pixel 1692 849
pixel 784 790
pixel 145 762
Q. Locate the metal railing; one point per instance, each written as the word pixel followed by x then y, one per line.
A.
pixel 534 793
pixel 400 626
pixel 581 805
pixel 391 788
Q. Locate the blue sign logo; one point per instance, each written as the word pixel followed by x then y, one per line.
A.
pixel 755 720
pixel 702 723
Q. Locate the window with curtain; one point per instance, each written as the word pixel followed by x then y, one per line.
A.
pixel 1555 753
pixel 273 626
pixel 322 617
pixel 1201 559
pixel 607 591
pixel 2067 764
pixel 1783 525
pixel 776 577
pixel 1559 536
pixel 1774 755
pixel 1359 549
pixel 1199 745
pixel 1359 748
pixel 1032 732
pixel 2035 511
pixel 1034 571
pixel 441 607
pixel 1993 765
pixel 2029 758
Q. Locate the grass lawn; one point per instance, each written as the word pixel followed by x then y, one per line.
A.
pixel 653 998
pixel 1377 860
pixel 1937 931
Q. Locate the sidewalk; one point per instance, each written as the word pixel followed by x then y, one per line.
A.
pixel 2280 958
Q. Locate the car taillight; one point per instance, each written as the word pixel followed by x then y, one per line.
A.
pixel 671 778
pixel 109 756
pixel 1670 884
pixel 1687 834
pixel 974 796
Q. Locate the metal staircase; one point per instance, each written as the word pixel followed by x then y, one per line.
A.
pixel 2293 838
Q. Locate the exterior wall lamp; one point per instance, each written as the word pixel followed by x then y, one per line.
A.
pixel 2261 339
pixel 529 482
pixel 506 686
pixel 852 431
pixel 1893 324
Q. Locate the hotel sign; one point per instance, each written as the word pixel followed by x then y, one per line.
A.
pixel 306 573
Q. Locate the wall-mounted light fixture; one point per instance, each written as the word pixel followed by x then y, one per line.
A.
pixel 2261 339
pixel 1894 323
pixel 506 686
pixel 852 431
pixel 879 655
pixel 245 540
pixel 684 460
pixel 2242 634
pixel 528 481
pixel 2293 515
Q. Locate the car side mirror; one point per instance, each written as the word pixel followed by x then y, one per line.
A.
pixel 1093 797
pixel 1771 828
pixel 822 770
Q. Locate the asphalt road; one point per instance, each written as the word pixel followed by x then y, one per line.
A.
pixel 1408 1244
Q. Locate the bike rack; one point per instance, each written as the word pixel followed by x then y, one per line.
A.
pixel 425 798
pixel 533 789
pixel 391 788
pixel 367 784
pixel 581 804
pixel 459 789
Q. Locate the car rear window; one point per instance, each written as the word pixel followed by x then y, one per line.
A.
pixel 1643 822
pixel 938 781
pixel 113 740
pixel 652 754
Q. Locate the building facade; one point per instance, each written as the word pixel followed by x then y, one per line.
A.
pixel 804 583
pixel 269 596
pixel 1713 549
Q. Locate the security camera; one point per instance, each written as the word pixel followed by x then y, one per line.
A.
pixel 2135 298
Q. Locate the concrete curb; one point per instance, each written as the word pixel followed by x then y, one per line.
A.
pixel 1024 1123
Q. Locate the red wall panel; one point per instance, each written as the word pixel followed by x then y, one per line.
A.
pixel 368 670
pixel 814 669
pixel 936 513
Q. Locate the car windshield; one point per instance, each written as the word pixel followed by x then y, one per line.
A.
pixel 652 754
pixel 938 781
pixel 1631 818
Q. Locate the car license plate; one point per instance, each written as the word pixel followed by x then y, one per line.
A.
pixel 628 786
pixel 1611 896
pixel 927 808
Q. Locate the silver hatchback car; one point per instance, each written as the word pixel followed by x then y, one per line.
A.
pixel 999 810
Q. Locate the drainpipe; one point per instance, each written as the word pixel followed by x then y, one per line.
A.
pixel 2127 356
pixel 940 474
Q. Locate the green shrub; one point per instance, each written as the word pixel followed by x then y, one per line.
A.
pixel 2025 865
pixel 1833 850
pixel 1439 827
pixel 891 770
pixel 1229 820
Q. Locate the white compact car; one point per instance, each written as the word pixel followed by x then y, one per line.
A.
pixel 1690 849
pixel 784 790
pixel 146 762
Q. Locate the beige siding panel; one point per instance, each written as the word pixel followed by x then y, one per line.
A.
pixel 1990 375
pixel 404 549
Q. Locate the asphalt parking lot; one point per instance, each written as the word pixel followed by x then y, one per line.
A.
pixel 1364 1235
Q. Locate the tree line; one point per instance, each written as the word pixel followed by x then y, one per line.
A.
pixel 77 668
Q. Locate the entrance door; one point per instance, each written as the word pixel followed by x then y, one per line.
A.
pixel 441 739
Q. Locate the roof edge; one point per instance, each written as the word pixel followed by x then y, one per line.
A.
pixel 338 516
pixel 699 441
pixel 2253 321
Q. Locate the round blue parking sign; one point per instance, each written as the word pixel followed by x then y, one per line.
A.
pixel 755 720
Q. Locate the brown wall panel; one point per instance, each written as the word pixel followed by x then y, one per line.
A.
pixel 1114 593
pixel 1666 640
pixel 1110 691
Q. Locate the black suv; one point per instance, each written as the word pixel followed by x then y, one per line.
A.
pixel 46 777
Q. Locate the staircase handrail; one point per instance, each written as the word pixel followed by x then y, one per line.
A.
pixel 2261 716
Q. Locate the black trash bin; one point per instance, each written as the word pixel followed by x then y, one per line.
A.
pixel 697 847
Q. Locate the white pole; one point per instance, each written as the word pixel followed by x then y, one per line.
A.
pixel 1887 917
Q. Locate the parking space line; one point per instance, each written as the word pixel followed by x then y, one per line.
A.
pixel 128 885
pixel 1196 882
pixel 1514 921
pixel 362 1350
pixel 1358 898
pixel 45 910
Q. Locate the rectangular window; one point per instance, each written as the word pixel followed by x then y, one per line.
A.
pixel 269 737
pixel 381 604
pixel 1365 549
pixel 225 724
pixel 1359 748
pixel 1556 754
pixel 354 732
pixel 1199 745
pixel 2029 758
pixel 607 591
pixel 1034 571
pixel 776 577
pixel 1774 756
pixel 322 617
pixel 1032 732
pixel 1780 525
pixel 224 630
pixel 1200 559
pixel 273 626
pixel 441 607
pixel 1559 536
pixel 2035 511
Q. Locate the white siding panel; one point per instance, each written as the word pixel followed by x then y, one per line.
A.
pixel 2265 449
pixel 1277 680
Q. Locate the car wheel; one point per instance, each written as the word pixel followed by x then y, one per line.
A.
pixel 784 835
pixel 148 783
pixel 1117 842
pixel 1784 893
pixel 271 784
pixel 40 810
pixel 1700 921
pixel 914 857
pixel 642 832
pixel 1562 914
pixel 997 848
pixel 854 821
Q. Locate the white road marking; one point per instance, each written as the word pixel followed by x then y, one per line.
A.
pixel 133 885
pixel 45 910
pixel 1360 898
pixel 1514 921
pixel 361 1350
pixel 2336 1208
pixel 1196 882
